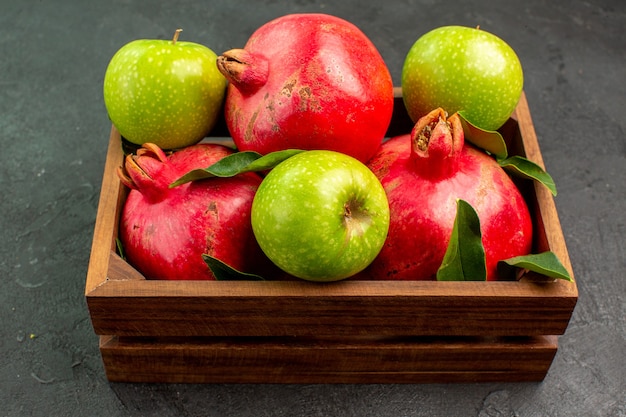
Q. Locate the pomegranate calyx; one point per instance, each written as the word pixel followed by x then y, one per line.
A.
pixel 152 149
pixel 125 178
pixel 246 71
pixel 131 174
pixel 148 171
pixel 437 141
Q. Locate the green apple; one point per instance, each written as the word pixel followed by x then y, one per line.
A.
pixel 321 216
pixel 166 92
pixel 462 69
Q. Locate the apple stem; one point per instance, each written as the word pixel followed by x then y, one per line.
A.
pixel 176 35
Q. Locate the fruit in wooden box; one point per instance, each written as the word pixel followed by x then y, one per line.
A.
pixel 165 231
pixel 321 215
pixel 424 174
pixel 465 70
pixel 165 92
pixel 308 81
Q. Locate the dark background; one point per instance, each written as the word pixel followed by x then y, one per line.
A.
pixel 53 138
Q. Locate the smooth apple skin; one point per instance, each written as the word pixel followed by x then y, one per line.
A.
pixel 163 92
pixel 462 68
pixel 299 216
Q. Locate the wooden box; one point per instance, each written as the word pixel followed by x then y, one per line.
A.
pixel 343 332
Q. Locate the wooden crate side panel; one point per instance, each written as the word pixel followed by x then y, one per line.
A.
pixel 105 229
pixel 547 216
pixel 292 360
pixel 349 308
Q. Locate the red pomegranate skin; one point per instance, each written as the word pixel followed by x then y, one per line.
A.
pixel 308 81
pixel 422 189
pixel 164 231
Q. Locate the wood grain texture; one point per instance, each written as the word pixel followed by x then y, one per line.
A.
pixel 318 360
pixel 351 307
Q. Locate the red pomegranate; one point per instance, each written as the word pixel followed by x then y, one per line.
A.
pixel 424 174
pixel 164 231
pixel 307 81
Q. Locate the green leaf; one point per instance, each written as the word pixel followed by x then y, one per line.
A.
pixel 120 248
pixel 224 272
pixel 522 167
pixel 228 166
pixel 270 160
pixel 237 163
pixel 465 256
pixel 489 140
pixel 545 263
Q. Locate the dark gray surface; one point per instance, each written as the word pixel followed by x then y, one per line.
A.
pixel 53 136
